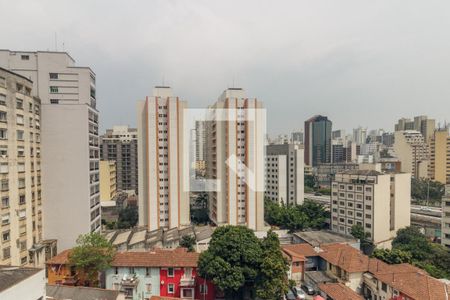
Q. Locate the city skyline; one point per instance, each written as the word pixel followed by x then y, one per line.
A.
pixel 311 58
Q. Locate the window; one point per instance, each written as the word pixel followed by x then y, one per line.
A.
pixel 5 219
pixel 384 286
pixel 131 270
pixel 171 288
pixel 3 151
pixel 20 151
pixel 203 288
pixel 54 101
pixel 5 202
pixel 3 116
pixel 149 287
pixel 25 57
pixel 187 293
pixel 19 103
pixel 170 272
pixel 4 168
pixel 2 81
pixel 116 270
pixel 21 167
pixel 21 199
pixel 3 99
pixel 53 75
pixel 3 135
pixel 4 185
pixel 5 236
pixel 19 119
pixel 147 271
pixel 7 253
pixel 20 135
pixel 53 89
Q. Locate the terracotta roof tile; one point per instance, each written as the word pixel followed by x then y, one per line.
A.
pixel 346 257
pixel 156 258
pixel 60 259
pixel 413 282
pixel 338 291
pixel 301 249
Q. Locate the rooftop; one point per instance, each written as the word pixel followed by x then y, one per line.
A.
pixel 10 276
pixel 60 259
pixel 338 291
pixel 346 257
pixel 58 292
pixel 300 250
pixel 361 172
pixel 178 257
pixel 317 238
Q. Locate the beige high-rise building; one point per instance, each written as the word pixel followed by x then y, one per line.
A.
pixel 379 202
pixel 163 201
pixel 108 185
pixel 20 169
pixel 439 168
pixel 420 123
pixel 70 147
pixel 236 201
pixel 413 153
pixel 446 218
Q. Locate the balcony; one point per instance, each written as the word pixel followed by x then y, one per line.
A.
pixel 129 281
pixel 187 281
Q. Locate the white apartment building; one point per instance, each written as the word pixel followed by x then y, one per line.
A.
pixel 413 152
pixel 20 169
pixel 163 202
pixel 70 153
pixel 379 202
pixel 285 169
pixel 446 217
pixel 360 135
pixel 236 202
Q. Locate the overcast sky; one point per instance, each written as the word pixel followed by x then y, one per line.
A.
pixel 358 62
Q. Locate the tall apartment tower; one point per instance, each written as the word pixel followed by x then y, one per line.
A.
pixel 317 141
pixel 446 218
pixel 285 169
pixel 379 202
pixel 413 152
pixel 120 144
pixel 20 169
pixel 360 135
pixel 236 201
pixel 70 147
pixel 420 123
pixel 163 201
pixel 439 169
pixel 108 177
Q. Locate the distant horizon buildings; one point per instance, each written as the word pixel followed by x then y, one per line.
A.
pixel 317 140
pixel 413 153
pixel 422 124
pixel 236 201
pixel 70 143
pixel 163 203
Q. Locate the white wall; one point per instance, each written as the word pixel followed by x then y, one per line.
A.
pixel 32 288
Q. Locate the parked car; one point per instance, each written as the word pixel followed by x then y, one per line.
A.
pixel 308 288
pixel 291 296
pixel 299 292
pixel 317 194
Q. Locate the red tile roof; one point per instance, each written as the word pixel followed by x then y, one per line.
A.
pixel 346 257
pixel 338 291
pixel 156 258
pixel 60 259
pixel 413 282
pixel 163 298
pixel 301 249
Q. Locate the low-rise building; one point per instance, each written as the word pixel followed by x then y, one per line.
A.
pixel 160 272
pixel 58 292
pixel 338 291
pixel 22 283
pixel 60 271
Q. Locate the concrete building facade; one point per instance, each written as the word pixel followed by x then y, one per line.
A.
pixel 70 179
pixel 108 185
pixel 120 144
pixel 378 202
pixel 285 173
pixel 234 202
pixel 446 218
pixel 163 201
pixel 20 169
pixel 439 168
pixel 420 123
pixel 413 152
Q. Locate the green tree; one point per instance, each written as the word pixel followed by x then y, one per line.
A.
pixel 358 232
pixel 92 254
pixel 272 281
pixel 188 242
pixel 421 189
pixel 411 240
pixel 128 217
pixel 394 256
pixel 310 181
pixel 232 260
